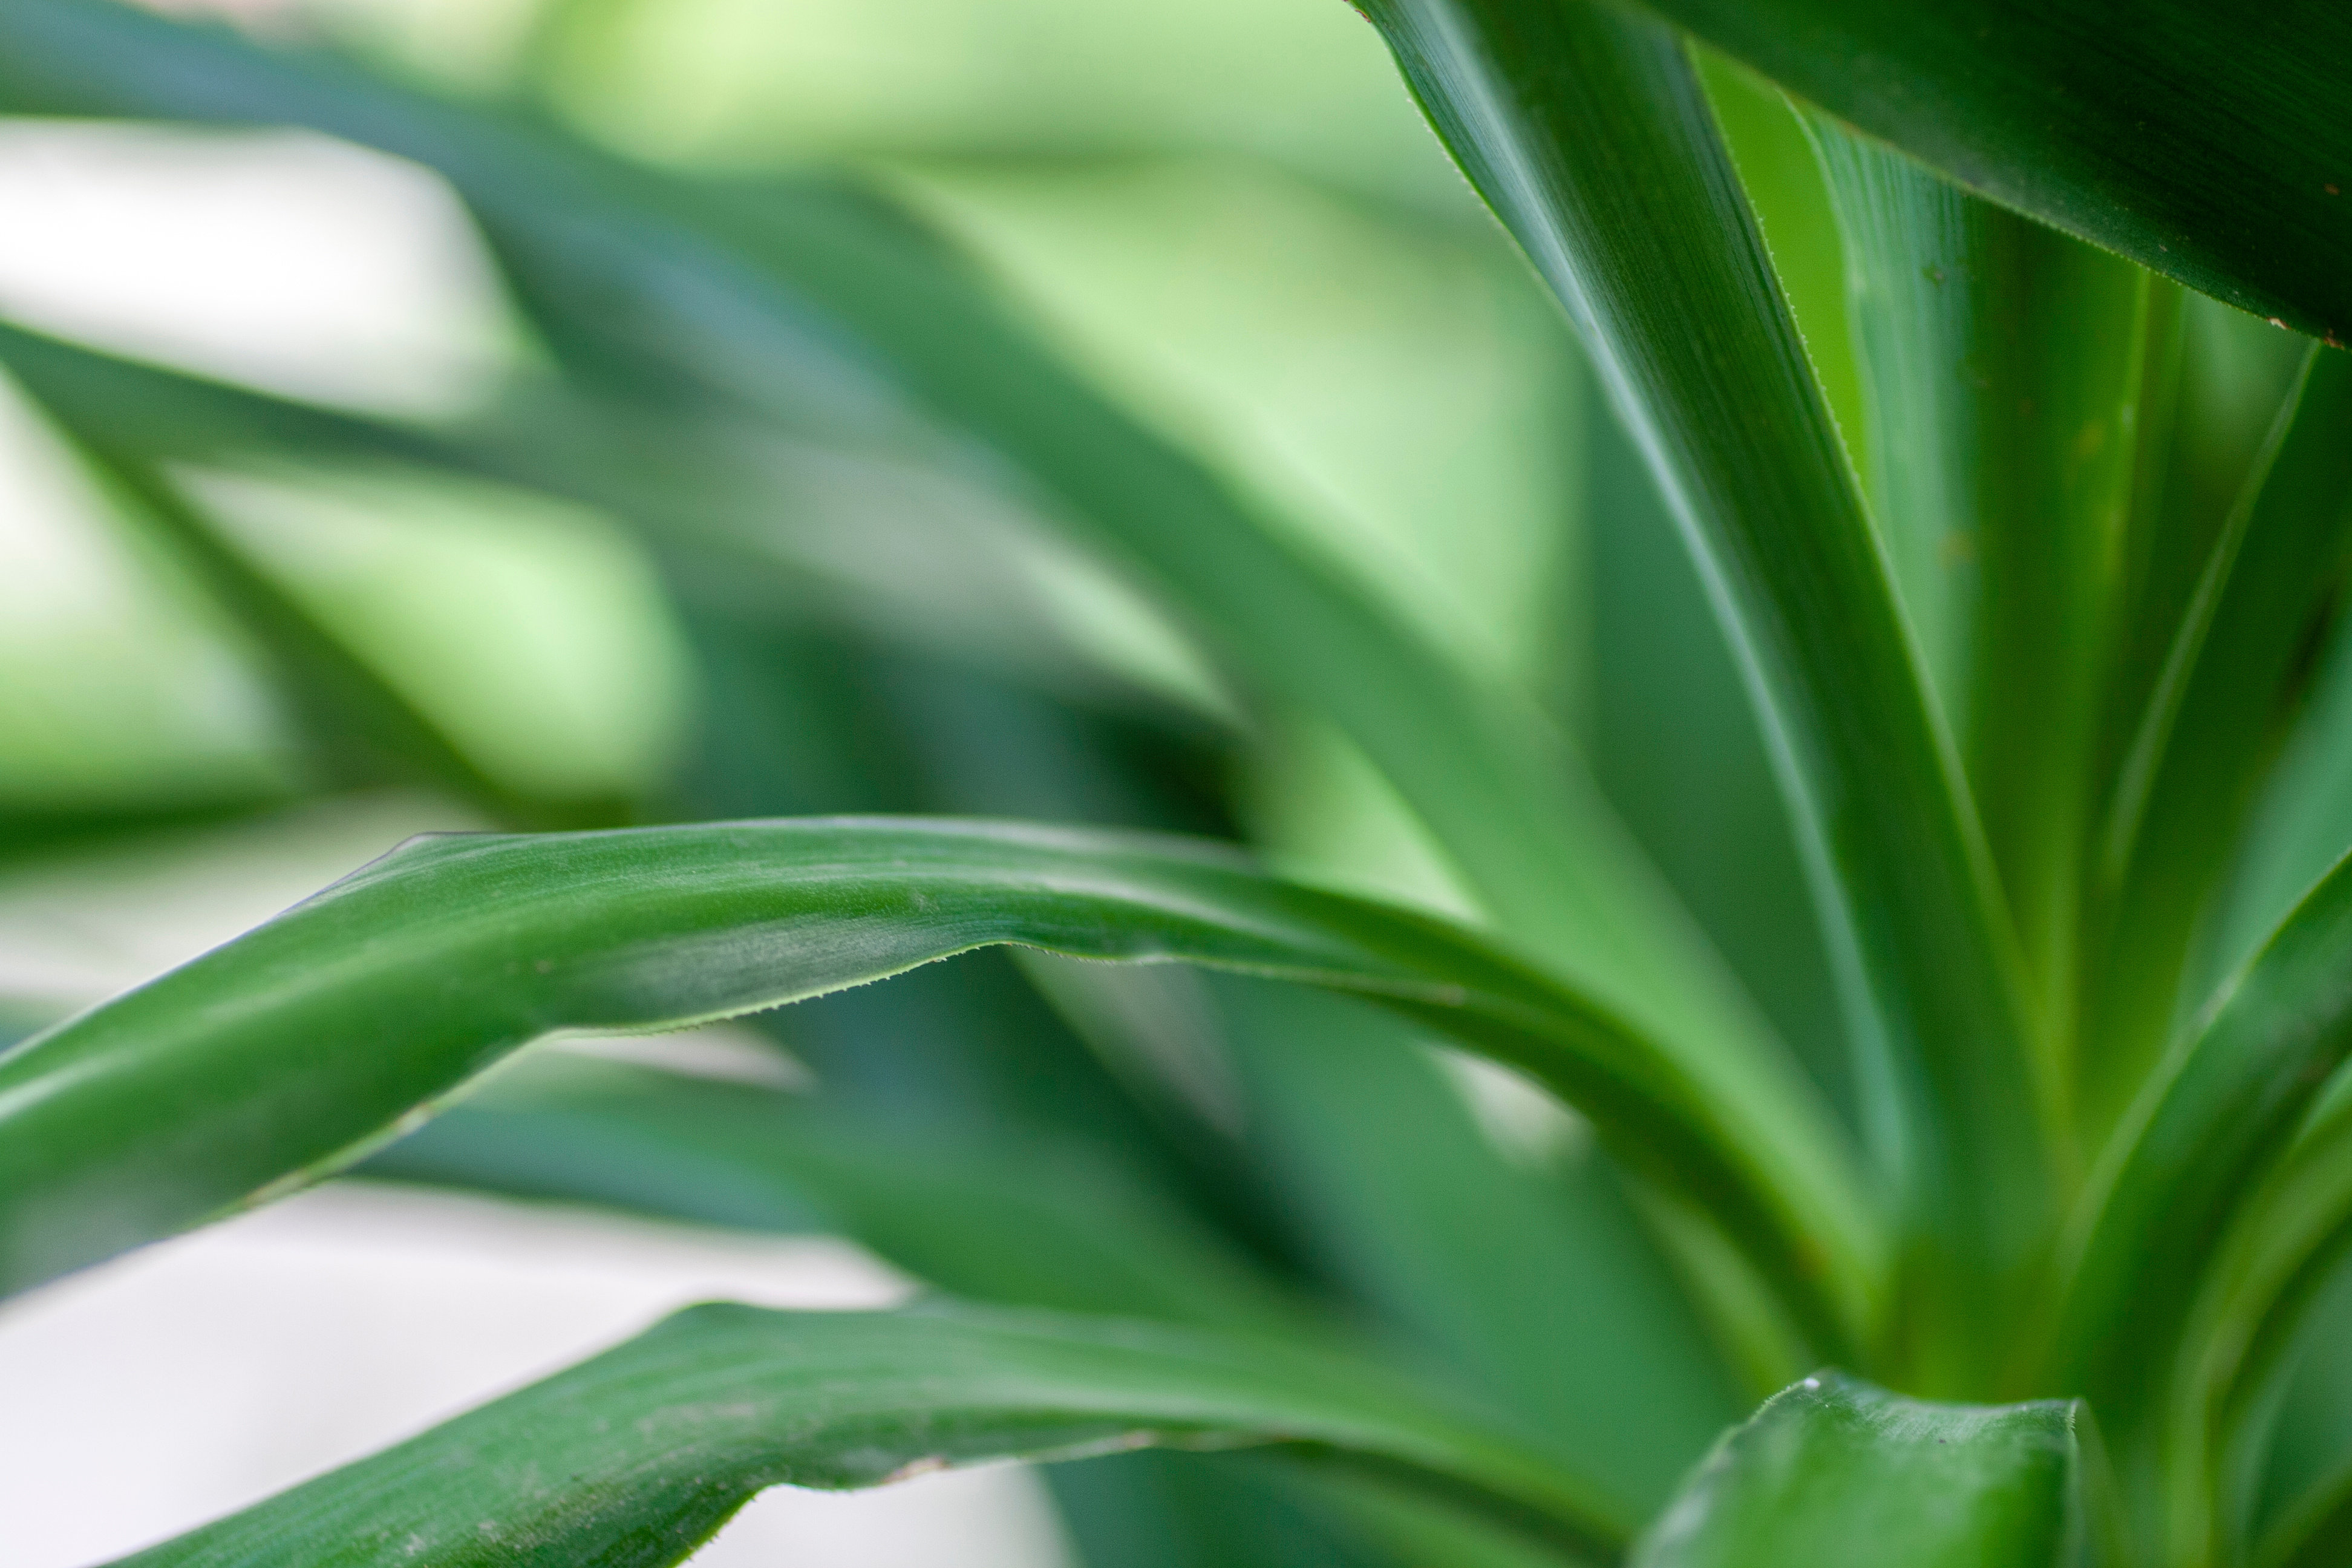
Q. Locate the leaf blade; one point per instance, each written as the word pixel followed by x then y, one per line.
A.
pixel 1586 130
pixel 1834 1470
pixel 209 1088
pixel 2004 364
pixel 2213 722
pixel 2217 1120
pixel 637 1456
pixel 2211 148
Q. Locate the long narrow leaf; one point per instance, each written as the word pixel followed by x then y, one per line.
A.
pixel 2255 1298
pixel 279 1057
pixel 1021 1226
pixel 2207 143
pixel 2219 1118
pixel 2004 367
pixel 817 310
pixel 1584 128
pixel 2236 671
pixel 359 729
pixel 635 1457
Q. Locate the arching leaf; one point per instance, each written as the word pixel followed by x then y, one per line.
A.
pixel 285 1053
pixel 635 1457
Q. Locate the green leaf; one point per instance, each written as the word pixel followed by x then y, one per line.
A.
pixel 2256 1298
pixel 1680 748
pixel 2238 670
pixel 1584 128
pixel 1781 176
pixel 2219 1117
pixel 830 311
pixel 1007 1221
pixel 1472 1256
pixel 638 1456
pixel 2004 364
pixel 1015 1223
pixel 2208 144
pixel 358 728
pixel 285 1053
pixel 1833 1470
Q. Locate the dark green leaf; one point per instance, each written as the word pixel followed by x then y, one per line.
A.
pixel 1584 127
pixel 635 1457
pixel 283 1054
pixel 2201 1452
pixel 2221 1116
pixel 1023 1225
pixel 2237 670
pixel 1679 748
pixel 1778 170
pixel 1833 1473
pixel 1472 1258
pixel 2209 144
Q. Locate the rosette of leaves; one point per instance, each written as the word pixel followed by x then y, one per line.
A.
pixel 2032 1221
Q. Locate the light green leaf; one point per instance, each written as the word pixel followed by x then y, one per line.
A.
pixel 285 1053
pixel 358 728
pixel 1583 126
pixel 1833 1473
pixel 634 1458
pixel 2209 144
pixel 2003 363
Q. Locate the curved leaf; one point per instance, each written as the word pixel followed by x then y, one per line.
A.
pixel 280 1056
pixel 634 1458
pixel 2207 143
pixel 2235 673
pixel 2221 1116
pixel 2256 1294
pixel 1584 128
pixel 1833 1472
pixel 811 307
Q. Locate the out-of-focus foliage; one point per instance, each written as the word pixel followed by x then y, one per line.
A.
pixel 1853 705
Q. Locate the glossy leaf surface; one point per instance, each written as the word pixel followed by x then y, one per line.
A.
pixel 637 1456
pixel 2207 143
pixel 282 1055
pixel 1584 128
pixel 1834 1473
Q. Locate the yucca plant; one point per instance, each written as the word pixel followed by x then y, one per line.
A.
pixel 2034 1230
